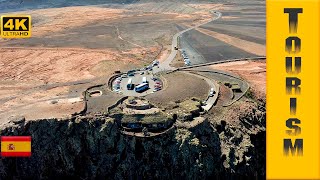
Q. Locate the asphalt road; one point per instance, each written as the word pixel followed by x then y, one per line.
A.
pixel 210 100
pixel 165 65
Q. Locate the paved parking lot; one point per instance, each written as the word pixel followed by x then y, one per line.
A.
pixel 136 80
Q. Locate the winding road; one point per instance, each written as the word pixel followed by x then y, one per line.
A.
pixel 165 65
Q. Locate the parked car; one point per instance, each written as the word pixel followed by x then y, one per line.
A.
pixel 141 73
pixel 155 63
pixel 130 74
pixel 124 76
pixel 116 88
pixel 212 92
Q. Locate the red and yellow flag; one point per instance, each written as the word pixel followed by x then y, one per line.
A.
pixel 15 146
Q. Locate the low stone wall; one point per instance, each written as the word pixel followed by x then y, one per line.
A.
pixel 223 61
pixel 117 103
pixel 84 110
pixel 170 132
pixel 138 107
pixel 151 127
pixel 111 79
pixel 91 93
pixel 194 124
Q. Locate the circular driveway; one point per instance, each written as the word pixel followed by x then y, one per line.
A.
pixel 136 80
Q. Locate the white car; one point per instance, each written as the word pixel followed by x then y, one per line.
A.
pixel 212 92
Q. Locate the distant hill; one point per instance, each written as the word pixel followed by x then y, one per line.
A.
pixel 17 5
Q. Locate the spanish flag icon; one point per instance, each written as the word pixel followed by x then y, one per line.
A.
pixel 15 146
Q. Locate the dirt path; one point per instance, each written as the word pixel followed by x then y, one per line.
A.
pixel 119 36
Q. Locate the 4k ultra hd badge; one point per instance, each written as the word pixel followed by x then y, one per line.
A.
pixel 15 26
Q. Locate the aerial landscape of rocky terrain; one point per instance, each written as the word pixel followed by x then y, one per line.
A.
pixel 58 88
